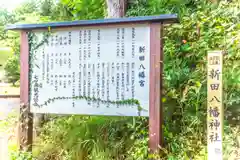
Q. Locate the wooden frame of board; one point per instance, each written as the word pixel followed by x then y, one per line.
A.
pixel 156 69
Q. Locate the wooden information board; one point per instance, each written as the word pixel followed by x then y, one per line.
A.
pixel 93 67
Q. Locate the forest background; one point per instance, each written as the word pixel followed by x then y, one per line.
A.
pixel 204 25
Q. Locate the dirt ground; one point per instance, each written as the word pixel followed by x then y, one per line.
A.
pixel 7 89
pixel 8 106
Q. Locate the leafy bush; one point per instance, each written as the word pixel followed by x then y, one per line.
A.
pixel 21 156
pixel 85 9
pixel 12 69
pixel 78 137
pixel 204 26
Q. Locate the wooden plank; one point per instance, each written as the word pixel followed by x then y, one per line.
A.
pixel 10 96
pixel 215 105
pixel 164 18
pixel 155 114
pixel 25 117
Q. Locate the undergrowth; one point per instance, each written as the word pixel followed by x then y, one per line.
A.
pixel 203 26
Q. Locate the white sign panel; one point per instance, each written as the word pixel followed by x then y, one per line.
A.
pixel 215 105
pixel 90 71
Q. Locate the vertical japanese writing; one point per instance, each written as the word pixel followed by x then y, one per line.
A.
pixel 108 76
pixel 73 89
pixel 51 63
pixel 48 41
pixel 84 79
pixel 98 83
pixel 89 83
pixel 93 77
pixel 103 81
pixel 80 37
pixel 122 43
pixel 43 65
pixel 56 59
pixel 60 40
pixel 65 59
pixel 60 60
pixel 69 80
pixel 56 40
pixel 113 72
pixel 64 82
pixel 89 43
pixel 118 41
pixel 60 80
pixel 48 69
pixel 141 73
pixel 69 38
pixel 80 45
pixel 98 43
pixel 69 62
pixel 128 76
pixel 56 83
pixel 117 82
pixel 123 82
pixel 80 81
pixel 84 45
pixel 133 42
pixel 65 40
pixel 52 41
pixel 133 80
pixel 35 91
pixel 214 105
pixel 80 54
pixel 51 80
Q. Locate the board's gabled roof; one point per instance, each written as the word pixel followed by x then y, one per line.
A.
pixel 166 18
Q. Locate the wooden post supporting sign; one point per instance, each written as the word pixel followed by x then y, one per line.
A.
pixel 25 117
pixel 155 110
pixel 215 105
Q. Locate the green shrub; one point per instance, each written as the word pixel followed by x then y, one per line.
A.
pixel 21 156
pixel 79 137
pixel 205 26
pixel 12 69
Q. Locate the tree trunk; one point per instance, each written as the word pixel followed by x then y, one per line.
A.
pixel 116 8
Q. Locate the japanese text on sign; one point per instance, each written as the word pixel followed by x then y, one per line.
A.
pixel 92 71
pixel 215 111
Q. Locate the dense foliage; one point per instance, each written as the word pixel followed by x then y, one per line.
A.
pixel 30 11
pixel 203 26
pixel 12 69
